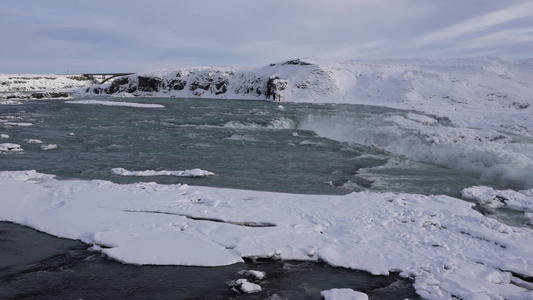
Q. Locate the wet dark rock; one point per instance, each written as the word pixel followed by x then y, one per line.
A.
pixel 274 87
pixel 149 84
pixel 221 85
pixel 117 84
pixel 177 84
pixel 201 83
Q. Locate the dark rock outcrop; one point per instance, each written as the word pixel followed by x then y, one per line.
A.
pixel 117 84
pixel 149 84
pixel 177 84
pixel 274 87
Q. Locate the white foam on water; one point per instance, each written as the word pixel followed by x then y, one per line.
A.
pixel 487 154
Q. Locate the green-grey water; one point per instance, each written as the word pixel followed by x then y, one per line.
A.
pixel 247 144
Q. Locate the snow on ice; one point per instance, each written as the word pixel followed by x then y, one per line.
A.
pixel 10 147
pixel 187 173
pixel 343 294
pixel 445 245
pixel 116 103
pixel 49 147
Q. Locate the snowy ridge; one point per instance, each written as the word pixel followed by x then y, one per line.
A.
pixel 481 88
pixel 449 249
pixel 35 82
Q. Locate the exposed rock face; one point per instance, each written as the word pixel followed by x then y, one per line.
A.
pixel 149 84
pixel 117 84
pixel 275 86
pixel 36 95
pixel 177 84
pixel 221 82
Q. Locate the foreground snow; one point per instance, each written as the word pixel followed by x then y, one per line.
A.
pixel 450 249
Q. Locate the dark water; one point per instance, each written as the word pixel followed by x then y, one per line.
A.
pixel 34 265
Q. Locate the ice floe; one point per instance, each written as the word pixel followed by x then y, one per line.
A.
pixel 116 103
pixel 516 200
pixel 33 141
pixel 186 173
pixel 343 294
pixel 449 249
pixel 248 287
pixel 10 147
pixel 49 147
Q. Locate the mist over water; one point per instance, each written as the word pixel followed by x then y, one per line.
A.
pixel 248 145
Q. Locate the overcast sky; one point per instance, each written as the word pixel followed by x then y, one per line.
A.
pixel 74 36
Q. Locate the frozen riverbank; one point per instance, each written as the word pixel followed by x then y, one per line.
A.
pixel 448 248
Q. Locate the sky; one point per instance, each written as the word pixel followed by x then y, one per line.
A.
pixel 98 36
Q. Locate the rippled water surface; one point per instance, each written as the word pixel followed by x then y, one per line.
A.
pixel 247 144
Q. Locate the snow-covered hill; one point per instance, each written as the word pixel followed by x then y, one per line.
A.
pixel 34 82
pixel 469 91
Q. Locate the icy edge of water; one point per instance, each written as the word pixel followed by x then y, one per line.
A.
pixel 115 103
pixel 186 173
pixel 450 249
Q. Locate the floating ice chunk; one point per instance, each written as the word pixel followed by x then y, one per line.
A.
pixel 187 173
pixel 9 147
pixel 4 136
pixel 522 200
pixel 33 141
pixel 343 294
pixel 22 124
pixel 248 287
pixel 116 103
pixel 49 147
pixel 257 274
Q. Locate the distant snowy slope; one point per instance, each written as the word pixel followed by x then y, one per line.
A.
pixel 480 88
pixel 34 82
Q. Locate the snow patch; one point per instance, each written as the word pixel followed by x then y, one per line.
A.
pixel 343 294
pixel 49 147
pixel 187 173
pixel 10 147
pixel 116 103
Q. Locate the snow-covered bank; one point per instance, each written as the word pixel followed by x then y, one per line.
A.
pixel 450 249
pixel 474 92
pixel 38 82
